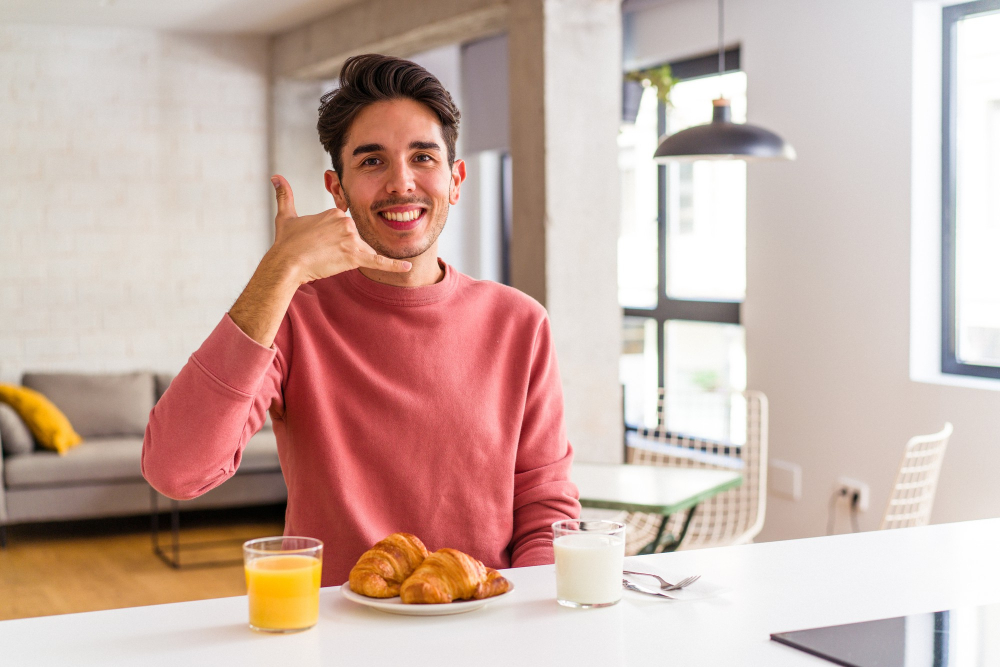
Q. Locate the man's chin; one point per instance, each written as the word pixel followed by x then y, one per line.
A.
pixel 398 249
pixel 403 253
pixel 404 248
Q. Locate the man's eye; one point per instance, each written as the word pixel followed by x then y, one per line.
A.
pixel 370 161
pixel 423 157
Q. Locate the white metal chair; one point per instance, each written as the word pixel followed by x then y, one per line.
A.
pixel 732 517
pixel 912 496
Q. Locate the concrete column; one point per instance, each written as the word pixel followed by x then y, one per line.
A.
pixel 565 83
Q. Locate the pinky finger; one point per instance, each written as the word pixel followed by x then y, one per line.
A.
pixel 382 263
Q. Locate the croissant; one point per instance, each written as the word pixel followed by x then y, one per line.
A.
pixel 494 584
pixel 449 574
pixel 380 570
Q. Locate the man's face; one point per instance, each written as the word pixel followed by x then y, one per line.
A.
pixel 396 179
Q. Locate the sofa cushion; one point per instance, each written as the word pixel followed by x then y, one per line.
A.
pixel 14 434
pixel 114 459
pixel 96 460
pixel 163 381
pixel 49 426
pixel 261 453
pixel 99 405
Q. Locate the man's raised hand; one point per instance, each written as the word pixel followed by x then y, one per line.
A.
pixel 305 248
pixel 321 245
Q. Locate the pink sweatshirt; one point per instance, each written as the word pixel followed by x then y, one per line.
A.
pixel 432 410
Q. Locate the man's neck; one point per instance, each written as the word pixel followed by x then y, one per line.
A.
pixel 425 271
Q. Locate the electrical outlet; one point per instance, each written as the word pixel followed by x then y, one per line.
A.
pixel 849 487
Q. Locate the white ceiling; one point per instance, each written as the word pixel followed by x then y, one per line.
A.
pixel 229 16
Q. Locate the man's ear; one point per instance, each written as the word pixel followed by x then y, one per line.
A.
pixel 457 176
pixel 332 181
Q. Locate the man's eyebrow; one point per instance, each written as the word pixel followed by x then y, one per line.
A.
pixel 368 148
pixel 414 145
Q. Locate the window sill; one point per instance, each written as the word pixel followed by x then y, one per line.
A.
pixel 950 380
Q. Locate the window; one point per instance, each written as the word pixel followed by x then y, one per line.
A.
pixel 971 189
pixel 682 263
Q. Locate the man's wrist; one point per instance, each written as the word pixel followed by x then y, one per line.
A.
pixel 281 272
pixel 259 309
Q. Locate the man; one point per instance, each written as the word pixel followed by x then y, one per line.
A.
pixel 404 395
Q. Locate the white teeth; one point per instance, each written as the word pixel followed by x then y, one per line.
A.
pixel 402 217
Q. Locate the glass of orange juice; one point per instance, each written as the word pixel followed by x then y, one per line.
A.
pixel 283 575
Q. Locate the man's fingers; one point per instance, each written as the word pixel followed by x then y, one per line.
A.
pixel 283 195
pixel 373 260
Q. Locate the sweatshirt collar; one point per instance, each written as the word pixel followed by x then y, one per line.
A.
pixel 405 296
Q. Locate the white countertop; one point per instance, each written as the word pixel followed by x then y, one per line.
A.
pixel 756 590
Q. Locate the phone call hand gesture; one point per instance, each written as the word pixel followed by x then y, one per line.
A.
pixel 321 245
pixel 306 248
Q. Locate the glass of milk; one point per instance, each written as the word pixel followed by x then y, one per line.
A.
pixel 589 561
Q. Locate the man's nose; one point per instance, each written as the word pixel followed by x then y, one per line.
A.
pixel 400 178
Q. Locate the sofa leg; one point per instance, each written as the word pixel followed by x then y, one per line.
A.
pixel 3 536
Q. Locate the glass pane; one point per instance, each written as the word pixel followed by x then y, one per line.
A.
pixel 638 371
pixel 977 172
pixel 706 200
pixel 638 240
pixel 705 364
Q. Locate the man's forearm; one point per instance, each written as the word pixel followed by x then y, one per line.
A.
pixel 264 301
pixel 197 431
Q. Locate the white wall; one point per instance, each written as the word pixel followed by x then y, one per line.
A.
pixel 133 193
pixel 296 152
pixel 828 241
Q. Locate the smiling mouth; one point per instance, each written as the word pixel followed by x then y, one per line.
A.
pixel 405 216
pixel 402 220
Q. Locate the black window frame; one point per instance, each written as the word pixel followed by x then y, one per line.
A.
pixel 950 362
pixel 667 308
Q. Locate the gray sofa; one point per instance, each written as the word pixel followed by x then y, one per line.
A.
pixel 101 477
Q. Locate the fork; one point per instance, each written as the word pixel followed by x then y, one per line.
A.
pixel 648 591
pixel 666 585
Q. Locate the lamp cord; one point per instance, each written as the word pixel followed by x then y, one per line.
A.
pixel 831 513
pixel 722 43
pixel 854 512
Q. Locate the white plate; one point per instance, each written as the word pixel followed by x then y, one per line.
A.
pixel 395 605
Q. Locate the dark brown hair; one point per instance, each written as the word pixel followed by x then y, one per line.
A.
pixel 374 78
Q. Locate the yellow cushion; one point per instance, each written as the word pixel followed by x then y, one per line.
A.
pixel 45 421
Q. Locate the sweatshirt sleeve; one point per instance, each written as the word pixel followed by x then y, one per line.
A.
pixel 197 430
pixel 543 492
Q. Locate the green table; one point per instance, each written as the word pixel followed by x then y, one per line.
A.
pixel 662 490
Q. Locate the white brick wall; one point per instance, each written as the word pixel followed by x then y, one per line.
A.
pixel 134 193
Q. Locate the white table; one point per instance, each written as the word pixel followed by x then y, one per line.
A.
pixel 772 587
pixel 662 490
pixel 653 489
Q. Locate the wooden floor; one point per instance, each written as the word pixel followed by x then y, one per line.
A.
pixel 108 564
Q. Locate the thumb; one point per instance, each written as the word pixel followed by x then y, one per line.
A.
pixel 284 197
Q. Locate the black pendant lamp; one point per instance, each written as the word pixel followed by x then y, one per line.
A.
pixel 722 139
